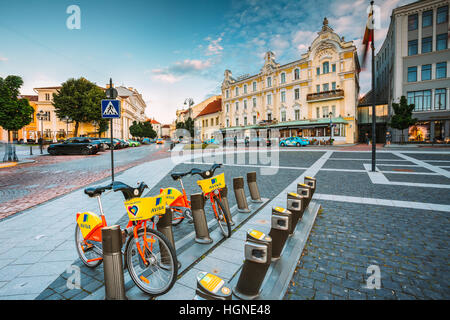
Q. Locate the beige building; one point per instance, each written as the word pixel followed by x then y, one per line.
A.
pixel 156 126
pixel 132 109
pixel 165 131
pixel 183 115
pixel 208 121
pixel 299 98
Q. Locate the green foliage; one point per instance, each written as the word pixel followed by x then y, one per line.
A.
pixel 188 125
pixel 402 118
pixel 142 130
pixel 14 113
pixel 80 100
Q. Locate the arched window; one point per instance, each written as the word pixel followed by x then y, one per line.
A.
pixel 296 74
pixel 326 67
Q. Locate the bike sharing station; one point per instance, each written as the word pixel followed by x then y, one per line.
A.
pixel 200 265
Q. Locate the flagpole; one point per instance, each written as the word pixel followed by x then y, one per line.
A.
pixel 373 93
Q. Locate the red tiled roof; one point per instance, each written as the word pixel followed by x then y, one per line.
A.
pixel 211 107
pixel 165 126
pixel 29 97
pixel 153 121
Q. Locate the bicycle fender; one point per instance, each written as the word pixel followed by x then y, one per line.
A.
pixel 90 225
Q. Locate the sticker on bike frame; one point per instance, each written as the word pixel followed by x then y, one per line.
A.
pixel 171 195
pixel 211 282
pixel 87 221
pixel 145 208
pixel 211 184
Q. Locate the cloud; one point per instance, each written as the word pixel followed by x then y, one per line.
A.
pixel 180 70
pixel 3 59
pixel 214 47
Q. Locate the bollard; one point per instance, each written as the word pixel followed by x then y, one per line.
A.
pixel 258 253
pixel 253 187
pixel 112 263
pixel 312 183
pixel 31 150
pixel 305 191
pixel 295 205
pixel 226 205
pixel 279 232
pixel 164 225
pixel 211 287
pixel 241 199
pixel 198 215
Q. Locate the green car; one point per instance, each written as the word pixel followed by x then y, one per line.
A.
pixel 133 143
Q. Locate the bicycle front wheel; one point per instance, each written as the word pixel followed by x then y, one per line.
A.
pixel 155 270
pixel 222 220
pixel 90 252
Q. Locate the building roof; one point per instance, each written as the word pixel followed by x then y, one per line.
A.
pixel 366 100
pixel 153 121
pixel 29 97
pixel 165 126
pixel 212 107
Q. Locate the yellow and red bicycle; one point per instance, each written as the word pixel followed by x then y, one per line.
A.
pixel 149 256
pixel 210 185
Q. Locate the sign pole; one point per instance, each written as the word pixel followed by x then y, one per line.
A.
pixel 374 116
pixel 112 142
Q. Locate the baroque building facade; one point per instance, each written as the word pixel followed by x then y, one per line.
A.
pixel 307 97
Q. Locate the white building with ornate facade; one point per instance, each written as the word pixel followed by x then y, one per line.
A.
pixel 300 98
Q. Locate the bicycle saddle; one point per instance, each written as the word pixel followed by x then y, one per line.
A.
pixel 96 191
pixel 178 175
pixel 128 191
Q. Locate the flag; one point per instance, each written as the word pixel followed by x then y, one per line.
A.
pixel 368 36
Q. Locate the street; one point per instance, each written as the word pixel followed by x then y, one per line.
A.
pixel 396 219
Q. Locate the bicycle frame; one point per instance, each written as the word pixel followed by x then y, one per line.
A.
pixel 96 231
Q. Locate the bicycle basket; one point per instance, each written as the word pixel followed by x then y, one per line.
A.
pixel 211 184
pixel 145 208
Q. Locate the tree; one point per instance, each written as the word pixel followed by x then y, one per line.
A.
pixel 80 100
pixel 136 129
pixel 402 118
pixel 148 130
pixel 14 113
pixel 187 125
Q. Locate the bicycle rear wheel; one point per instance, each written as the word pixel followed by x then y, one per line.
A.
pixel 158 273
pixel 177 217
pixel 221 218
pixel 90 251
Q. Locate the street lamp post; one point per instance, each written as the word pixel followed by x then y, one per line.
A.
pixel 41 115
pixel 331 127
pixel 190 103
pixel 67 120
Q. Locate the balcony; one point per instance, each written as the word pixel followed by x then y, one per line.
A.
pixel 325 95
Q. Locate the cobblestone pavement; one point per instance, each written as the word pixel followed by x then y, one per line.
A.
pixel 27 185
pixel 365 221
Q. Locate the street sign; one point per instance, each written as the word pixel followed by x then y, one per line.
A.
pixel 110 109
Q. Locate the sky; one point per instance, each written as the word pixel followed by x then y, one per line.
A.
pixel 169 50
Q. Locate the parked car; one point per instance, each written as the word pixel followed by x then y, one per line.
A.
pixel 124 143
pixel 78 145
pixel 102 145
pixel 294 141
pixel 159 141
pixel 133 143
pixel 148 141
pixel 107 142
pixel 211 141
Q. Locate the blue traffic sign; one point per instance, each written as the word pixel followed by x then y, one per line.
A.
pixel 110 109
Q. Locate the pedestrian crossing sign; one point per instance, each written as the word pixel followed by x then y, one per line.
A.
pixel 110 109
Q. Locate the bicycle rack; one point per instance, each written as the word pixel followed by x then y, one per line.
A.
pixel 305 191
pixel 164 225
pixel 253 187
pixel 295 205
pixel 279 232
pixel 241 199
pixel 226 205
pixel 258 253
pixel 112 263
pixel 200 223
pixel 310 181
pixel 211 287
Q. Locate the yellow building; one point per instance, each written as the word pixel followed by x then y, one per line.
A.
pixel 299 98
pixel 208 121
pixel 183 114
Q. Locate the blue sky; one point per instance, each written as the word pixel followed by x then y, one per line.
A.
pixel 168 50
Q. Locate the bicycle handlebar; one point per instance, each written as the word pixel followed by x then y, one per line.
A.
pixel 207 173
